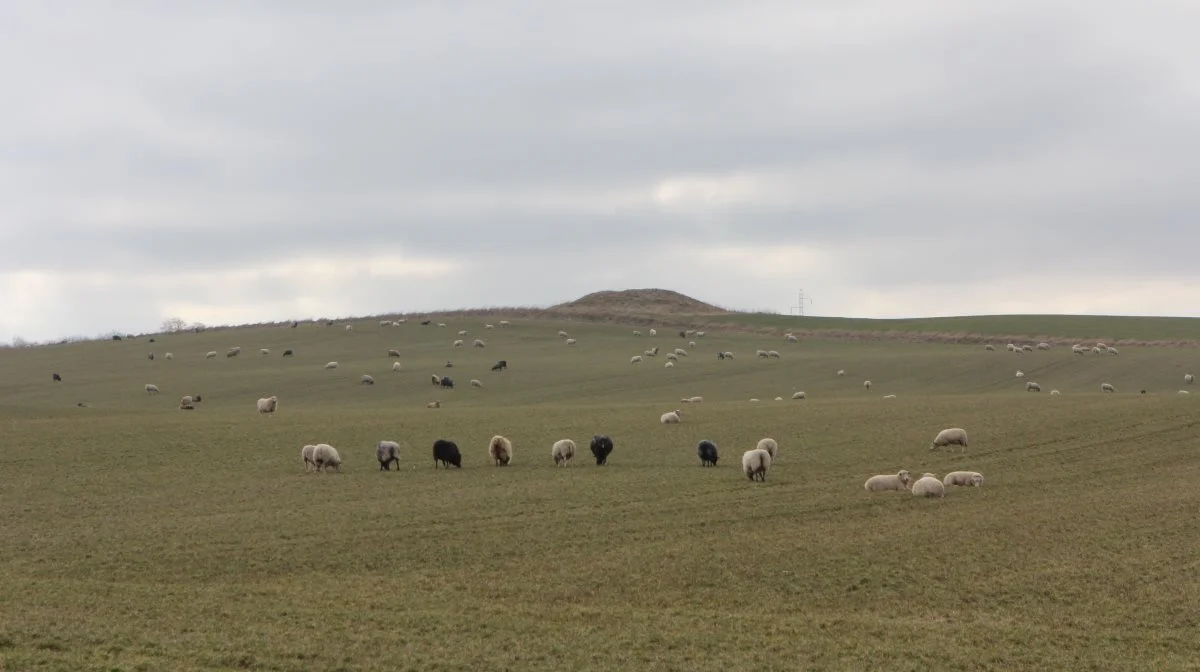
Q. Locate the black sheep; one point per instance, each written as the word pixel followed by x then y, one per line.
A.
pixel 707 450
pixel 447 381
pixel 57 378
pixel 602 446
pixel 500 365
pixel 447 453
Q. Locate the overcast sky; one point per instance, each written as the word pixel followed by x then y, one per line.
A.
pixel 234 161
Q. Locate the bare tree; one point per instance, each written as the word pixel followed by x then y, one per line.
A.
pixel 173 324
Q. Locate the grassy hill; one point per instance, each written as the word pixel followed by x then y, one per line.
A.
pixel 144 537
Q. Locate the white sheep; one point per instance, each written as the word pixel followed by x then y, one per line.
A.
pixel 971 478
pixel 695 400
pixel 989 347
pixel 770 445
pixel 151 388
pixel 478 344
pixel 385 323
pixel 562 451
pixel 1188 379
pixel 1043 346
pixel 1032 387
pixel 700 334
pixel 264 351
pixel 1010 347
pixel 888 482
pixel 392 352
pixel 636 359
pixel 1026 348
pixel 570 341
pixel 503 323
pixel 268 404
pixel 778 398
pixel 1055 393
pixel 756 463
pixel 367 379
pixel 680 351
pixel 1107 387
pixel 331 365
pixel 799 395
pixel 441 324
pixel 951 436
pixel 774 354
pixel 670 417
pixel 489 326
pixel 866 384
pixel 325 456
pixel 761 354
pixel 211 354
pixel 307 453
pixel 459 343
pixel 186 400
pixel 1184 392
pixel 437 380
pixel 929 486
pixel 463 332
pixel 692 344
pixel 475 382
pixel 1020 373
pixel 672 356
pixel 889 396
pixel 636 332
pixel 434 404
pixel 396 366
pixel 563 334
pixel 753 400
pixel 841 372
pixel 1113 351
pixel 727 354
pixel 653 332
pixel 791 338
pixel 501 450
pixel 349 327
pixel 169 356
pixel 669 365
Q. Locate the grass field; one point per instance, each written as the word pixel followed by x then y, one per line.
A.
pixel 141 537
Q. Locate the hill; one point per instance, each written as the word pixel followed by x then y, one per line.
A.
pixel 638 302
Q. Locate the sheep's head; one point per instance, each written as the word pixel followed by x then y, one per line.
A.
pixel 905 478
pixel 977 480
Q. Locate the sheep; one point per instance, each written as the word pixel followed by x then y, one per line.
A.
pixel 150 356
pixel 396 367
pixel 326 456
pixel 393 353
pixel 264 351
pixel 1032 387
pixel 367 379
pixel 463 332
pixel 151 388
pixel 866 384
pixel 680 352
pixel 289 352
pixel 169 355
pixel 211 354
pixel 653 352
pixel 434 404
pixel 562 451
pixel 653 332
pixel 1107 387
pixel 951 436
pixel 728 355
pixel 888 482
pixel 489 326
pixel 1184 392
pixel 928 486
pixel 756 463
pixel 1026 348
pixel 501 450
pixel 437 380
pixel 1188 379
pixel 1020 373
pixel 707 450
pixel 57 378
pixel 426 323
pixel 841 373
pixel 1055 393
pixel 385 323
pixel 349 327
pixel 233 352
pixel 447 382
pixel 1102 346
pixel 478 344
pixel 459 343
pixel 773 354
pixel 447 453
pixel 636 332
pixel 387 452
pixel 761 354
pixel 669 365
pixel 791 338
pixel 798 395
pixel 602 447
pixel 441 324
pixel 1097 351
pixel 1043 346
pixel 778 398
pixel 449 365
pixel 770 445
pixel 989 347
pixel 700 334
pixel 753 400
pixel 475 382
pixel 570 341
pixel 695 400
pixel 268 404
pixel 500 365
pixel 971 478
pixel 636 359
pixel 1113 351
pixel 187 407
pixel 692 344
pixel 672 356
pixel 671 417
pixel 503 323
pixel 889 396
pixel 331 365
pixel 186 400
pixel 563 334
pixel 307 453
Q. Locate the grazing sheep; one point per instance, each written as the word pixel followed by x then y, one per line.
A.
pixel 928 486
pixel 387 452
pixel 728 355
pixel 778 398
pixel 57 378
pixel 268 404
pixel 187 407
pixel 367 379
pixel 888 482
pixel 680 352
pixel 326 456
pixel 570 341
pixel 307 453
pixel 602 447
pixel 670 418
pixel 889 396
pixel 385 323
pixel 707 450
pixel 396 366
pixel 1043 346
pixel 971 478
pixel 503 323
pixel 501 450
pixel 770 445
pixel 989 347
pixel 233 352
pixel 756 463
pixel 478 344
pixel 441 324
pixel 799 395
pixel 475 382
pixel 636 359
pixel 951 436
pixel 1113 351
pixel 447 382
pixel 447 453
pixel 562 451
pixel 1020 373
pixel 672 356
pixel 150 356
pixel 264 351
pixel 761 354
pixel 463 332
pixel 489 326
pixel 700 334
pixel 773 354
pixel 1026 348
pixel 393 353
pixel 289 352
pixel 695 400
pixel 349 327
pixel 459 343
pixel 169 356
pixel 791 338
pixel 1055 393
pixel 668 365
pixel 1188 379
pixel 866 384
pixel 500 365
pixel 637 333
pixel 211 354
pixel 186 400
pixel 151 388
pixel 691 344
pixel 331 365
pixel 1032 387
pixel 1107 387
pixel 437 380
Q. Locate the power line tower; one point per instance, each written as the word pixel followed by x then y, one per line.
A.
pixel 800 299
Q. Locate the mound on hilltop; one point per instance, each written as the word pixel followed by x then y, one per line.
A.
pixel 639 302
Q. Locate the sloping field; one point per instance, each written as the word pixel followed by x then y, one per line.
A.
pixel 142 537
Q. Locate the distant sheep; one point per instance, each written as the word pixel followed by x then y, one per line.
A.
pixel 602 447
pixel 761 354
pixel 636 359
pixel 791 338
pixel 889 396
pixel 447 382
pixel 151 388
pixel 264 351
pixel 233 352
pixel 770 445
pixel 653 332
pixel 888 482
pixel 951 436
pixel 1020 373
pixel 393 353
pixel 1184 392
pixel 773 354
pixel 1107 387
pixel 707 451
pixel 475 382
pixel 187 400
pixel 211 354
pixel 441 324
pixel 693 400
pixel 500 365
pixel 396 366
pixel 503 323
pixel 841 372
pixel 728 355
pixel 1113 351
pixel 866 384
pixel 1026 348
pixel 150 356
pixel 434 404
pixel 57 378
pixel 756 463
pixel 692 344
pixel 562 451
pixel 700 334
pixel 1043 346
pixel 680 352
pixel 437 380
pixel 570 341
pixel 637 333
pixel 989 347
pixel 1188 379
pixel 1032 387
pixel 928 486
pixel 367 379
pixel 349 327
pixel 501 450
pixel 331 365
pixel 307 453
pixel 478 344
pixel 169 356
pixel 289 352
pixel 798 395
pixel 1055 393
pixel 326 456
pixel 668 365
pixel 387 452
pixel 447 453
pixel 672 357
pixel 268 404
pixel 968 478
pixel 459 343
pixel 671 417
pixel 463 332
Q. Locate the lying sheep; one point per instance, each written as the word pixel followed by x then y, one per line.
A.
pixel 211 354
pixel 326 456
pixel 264 351
pixel 501 450
pixel 478 344
pixel 770 445
pixel 602 447
pixel 434 404
pixel 928 486
pixel 671 417
pixel 570 341
pixel 1020 373
pixel 889 396
pixel 307 453
pixel 971 478
pixel 755 464
pixel 459 343
pixel 1107 387
pixel 841 372
pixel 707 450
pixel 669 365
pixel 393 353
pixel 562 451
pixel 367 379
pixel 888 482
pixel 268 404
pixel 151 388
pixel 799 395
pixel 952 436
pixel 447 453
pixel 463 332
pixel 1184 392
pixel 331 365
pixel 387 452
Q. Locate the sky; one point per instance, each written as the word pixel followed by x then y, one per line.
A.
pixel 243 161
